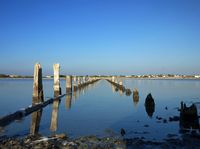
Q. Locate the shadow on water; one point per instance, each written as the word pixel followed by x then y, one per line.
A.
pixel 149 105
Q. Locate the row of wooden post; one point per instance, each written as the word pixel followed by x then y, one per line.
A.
pixel 114 81
pixel 78 82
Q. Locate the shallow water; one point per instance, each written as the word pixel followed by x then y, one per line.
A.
pixel 99 110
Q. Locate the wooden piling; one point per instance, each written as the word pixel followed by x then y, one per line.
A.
pixel 68 84
pixel 57 89
pixel 79 82
pixel 37 85
pixel 74 84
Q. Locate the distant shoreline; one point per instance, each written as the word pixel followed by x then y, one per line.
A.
pixel 119 77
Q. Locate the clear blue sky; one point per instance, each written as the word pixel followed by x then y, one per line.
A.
pixel 100 36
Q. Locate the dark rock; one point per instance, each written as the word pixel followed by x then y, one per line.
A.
pixel 149 105
pixel 123 132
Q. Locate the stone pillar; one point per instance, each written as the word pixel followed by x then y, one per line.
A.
pixel 37 85
pixel 57 89
pixel 68 84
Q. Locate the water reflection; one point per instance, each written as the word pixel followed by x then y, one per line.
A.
pixel 135 97
pixel 35 122
pixel 54 115
pixel 68 101
pixel 74 95
pixel 149 105
pixel 189 119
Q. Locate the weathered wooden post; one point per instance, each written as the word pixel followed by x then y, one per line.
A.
pixel 37 98
pixel 120 84
pixel 74 84
pixel 68 84
pixel 79 82
pixel 57 92
pixel 113 79
pixel 37 85
pixel 57 89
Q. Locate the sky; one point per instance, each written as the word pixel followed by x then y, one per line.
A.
pixel 100 37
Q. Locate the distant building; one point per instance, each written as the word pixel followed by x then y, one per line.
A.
pixel 13 76
pixel 197 76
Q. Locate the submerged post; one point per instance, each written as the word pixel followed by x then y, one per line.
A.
pixel 68 84
pixel 37 85
pixel 57 89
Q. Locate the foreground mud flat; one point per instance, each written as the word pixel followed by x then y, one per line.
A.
pixel 62 141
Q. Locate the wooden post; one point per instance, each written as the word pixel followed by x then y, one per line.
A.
pixel 113 79
pixel 74 84
pixel 37 85
pixel 79 82
pixel 68 84
pixel 57 89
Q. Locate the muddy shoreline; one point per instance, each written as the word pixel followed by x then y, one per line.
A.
pixel 62 141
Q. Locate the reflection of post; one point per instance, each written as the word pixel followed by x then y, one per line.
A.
pixel 54 116
pixel 74 94
pixel 135 97
pixel 120 92
pixel 68 84
pixel 113 88
pixel 68 101
pixel 57 89
pixel 37 85
pixel 35 123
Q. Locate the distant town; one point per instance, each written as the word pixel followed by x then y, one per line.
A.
pixel 150 76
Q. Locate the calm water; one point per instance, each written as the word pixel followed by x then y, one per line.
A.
pixel 99 110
